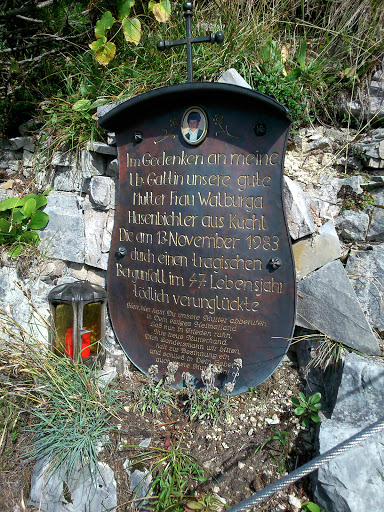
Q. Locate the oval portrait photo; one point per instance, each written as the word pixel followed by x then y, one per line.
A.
pixel 194 125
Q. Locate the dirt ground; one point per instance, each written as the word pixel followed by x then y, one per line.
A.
pixel 227 450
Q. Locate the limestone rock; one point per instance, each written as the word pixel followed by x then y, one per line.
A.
pixel 22 142
pixel 315 252
pixel 101 147
pixel 324 200
pixel 366 273
pixel 93 164
pixel 11 294
pixel 63 238
pixel 62 158
pixel 10 162
pixel 111 139
pixel 328 303
pixel 140 479
pixel 102 192
pixel 58 493
pixel 351 482
pixel 376 227
pixel 378 193
pixel 299 217
pixel 98 232
pixel 231 76
pixel 68 179
pixel 352 225
pixel 372 104
pixel 113 168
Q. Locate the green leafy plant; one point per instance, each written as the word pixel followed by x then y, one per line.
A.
pixel 283 451
pixel 307 409
pixel 309 506
pixel 205 503
pixel 153 395
pixel 131 26
pixel 72 413
pixel 19 218
pixel 175 474
pixel 208 403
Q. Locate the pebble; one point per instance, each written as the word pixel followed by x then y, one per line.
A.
pixel 240 465
pixel 295 502
pixel 225 446
pixel 250 431
pixel 272 421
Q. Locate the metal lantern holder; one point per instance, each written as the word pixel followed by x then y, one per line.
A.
pixel 78 316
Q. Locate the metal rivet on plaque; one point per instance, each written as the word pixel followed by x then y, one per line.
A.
pixel 260 129
pixel 121 252
pixel 274 263
pixel 138 137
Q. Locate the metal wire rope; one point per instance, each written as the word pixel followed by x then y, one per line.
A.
pixel 307 468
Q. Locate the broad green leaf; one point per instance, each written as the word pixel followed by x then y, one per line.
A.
pixel 9 203
pixel 5 227
pixel 302 396
pixel 124 7
pixel 25 199
pixel 314 398
pixel 162 11
pixel 299 410
pixel 295 401
pixel 100 101
pixel 15 250
pixel 18 215
pixel 311 507
pixel 150 5
pixel 95 45
pixel 104 24
pixel 30 237
pixel 316 406
pixel 194 505
pixel 301 53
pixel 132 30
pixel 294 74
pixel 41 200
pixel 105 54
pixel 38 220
pixel 315 417
pixel 82 105
pixel 29 207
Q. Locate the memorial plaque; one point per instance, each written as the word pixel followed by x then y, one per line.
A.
pixel 201 268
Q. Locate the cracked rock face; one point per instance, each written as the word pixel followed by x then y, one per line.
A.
pixel 352 481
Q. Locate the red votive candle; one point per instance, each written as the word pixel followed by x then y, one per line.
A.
pixel 69 342
pixel 86 344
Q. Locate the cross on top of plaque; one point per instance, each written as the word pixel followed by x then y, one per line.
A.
pixel 211 38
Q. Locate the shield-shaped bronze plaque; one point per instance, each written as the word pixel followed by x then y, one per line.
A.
pixel 201 268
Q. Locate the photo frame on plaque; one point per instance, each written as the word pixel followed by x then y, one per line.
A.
pixel 194 125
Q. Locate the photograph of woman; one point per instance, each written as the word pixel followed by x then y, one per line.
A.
pixel 194 125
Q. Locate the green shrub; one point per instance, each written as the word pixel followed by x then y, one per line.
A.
pixel 307 409
pixel 19 218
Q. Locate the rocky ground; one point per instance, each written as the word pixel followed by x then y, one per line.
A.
pixel 227 450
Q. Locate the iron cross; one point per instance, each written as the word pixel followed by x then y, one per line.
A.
pixel 211 38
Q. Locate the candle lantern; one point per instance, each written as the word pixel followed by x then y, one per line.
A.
pixel 78 316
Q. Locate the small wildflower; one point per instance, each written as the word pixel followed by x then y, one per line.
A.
pixel 153 370
pixel 187 378
pixel 171 371
pixel 229 387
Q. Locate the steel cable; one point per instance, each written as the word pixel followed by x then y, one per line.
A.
pixel 308 467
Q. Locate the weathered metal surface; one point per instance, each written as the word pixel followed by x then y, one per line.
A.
pixel 201 268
